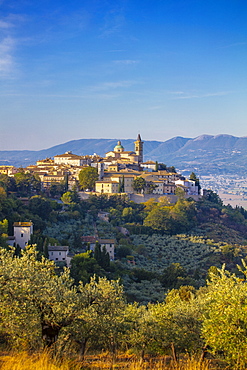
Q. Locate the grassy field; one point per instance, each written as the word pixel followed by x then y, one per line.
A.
pixel 44 361
pixel 40 361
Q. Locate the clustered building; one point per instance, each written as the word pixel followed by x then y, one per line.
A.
pixel 117 172
pixel 118 167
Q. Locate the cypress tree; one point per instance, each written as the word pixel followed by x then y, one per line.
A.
pixel 97 253
pixel 122 184
pixel 156 166
pixel 105 260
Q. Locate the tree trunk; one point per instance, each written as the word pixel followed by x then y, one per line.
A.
pixel 113 353
pixel 83 344
pixel 174 354
pixel 142 356
pixel 204 351
pixel 49 334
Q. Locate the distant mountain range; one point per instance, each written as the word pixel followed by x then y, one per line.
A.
pixel 205 154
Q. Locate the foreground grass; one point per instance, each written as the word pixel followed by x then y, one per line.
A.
pixel 40 361
pixel 44 361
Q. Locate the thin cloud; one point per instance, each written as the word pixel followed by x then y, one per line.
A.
pixel 155 107
pixel 115 51
pixel 112 85
pixel 6 58
pixel 4 24
pixel 7 44
pixel 11 21
pixel 176 92
pixel 86 95
pixel 126 61
pixel 113 22
pixel 234 45
pixel 199 96
pixel 70 24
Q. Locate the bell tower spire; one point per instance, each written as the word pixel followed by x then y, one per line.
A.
pixel 139 148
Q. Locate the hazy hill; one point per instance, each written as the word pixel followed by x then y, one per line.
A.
pixel 203 154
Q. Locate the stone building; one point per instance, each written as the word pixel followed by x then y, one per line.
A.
pixel 22 233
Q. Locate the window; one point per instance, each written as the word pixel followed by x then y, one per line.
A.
pixel 21 235
pixel 59 253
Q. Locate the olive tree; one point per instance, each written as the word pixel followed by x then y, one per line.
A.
pixel 100 319
pixel 178 322
pixel 35 303
pixel 225 320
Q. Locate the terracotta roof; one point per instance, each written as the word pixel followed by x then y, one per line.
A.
pixel 93 239
pixel 88 239
pixel 22 224
pixel 57 248
pixel 109 159
pixel 105 241
pixel 106 181
pixel 125 175
pixel 67 155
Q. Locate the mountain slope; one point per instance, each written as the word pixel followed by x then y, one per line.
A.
pixel 203 154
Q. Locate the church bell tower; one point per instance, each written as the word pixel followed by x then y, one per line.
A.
pixel 139 148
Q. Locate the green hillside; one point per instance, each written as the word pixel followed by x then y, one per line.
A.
pixel 173 288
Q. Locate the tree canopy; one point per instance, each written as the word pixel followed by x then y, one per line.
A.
pixel 35 303
pixel 87 178
pixel 139 184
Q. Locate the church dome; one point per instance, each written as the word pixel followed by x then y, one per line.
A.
pixel 118 147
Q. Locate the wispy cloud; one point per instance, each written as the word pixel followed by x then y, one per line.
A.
pixel 6 58
pixel 11 21
pixel 234 45
pixel 5 24
pixel 126 62
pixel 84 96
pixel 113 22
pixel 155 107
pixel 182 95
pixel 112 85
pixel 176 92
pixel 79 20
pixel 8 44
pixel 116 51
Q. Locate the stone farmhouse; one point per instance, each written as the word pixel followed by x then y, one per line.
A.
pixel 109 244
pixel 60 253
pixel 22 234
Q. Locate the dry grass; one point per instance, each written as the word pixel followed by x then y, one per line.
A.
pixel 44 361
pixel 40 361
pixel 104 362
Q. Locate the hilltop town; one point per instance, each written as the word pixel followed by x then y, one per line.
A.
pixel 119 171
pixel 78 212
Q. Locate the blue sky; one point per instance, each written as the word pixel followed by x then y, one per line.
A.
pixel 113 69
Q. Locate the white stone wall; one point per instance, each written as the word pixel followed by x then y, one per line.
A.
pixel 22 235
pixel 190 185
pixel 57 256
